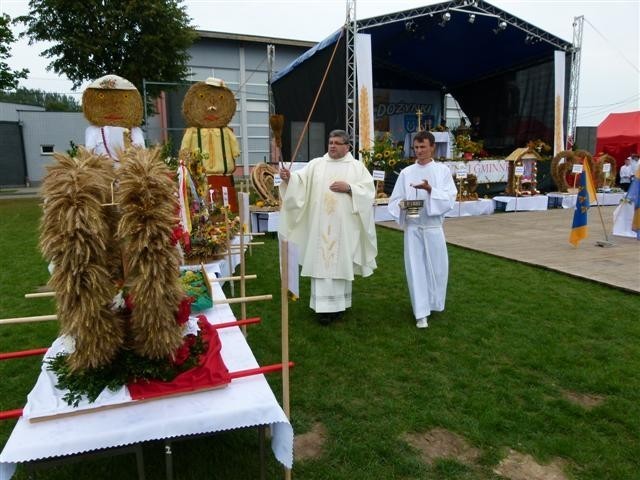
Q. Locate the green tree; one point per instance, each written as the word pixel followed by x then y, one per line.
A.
pixel 52 102
pixel 8 78
pixel 136 39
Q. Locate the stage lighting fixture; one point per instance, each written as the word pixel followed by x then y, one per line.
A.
pixel 472 18
pixel 410 26
pixel 446 16
pixel 501 26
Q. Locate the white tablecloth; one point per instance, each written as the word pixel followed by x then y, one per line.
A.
pixel 537 202
pixel 381 213
pixel 265 221
pixel 269 221
pixel 567 200
pixel 471 208
pixel 622 220
pixel 246 402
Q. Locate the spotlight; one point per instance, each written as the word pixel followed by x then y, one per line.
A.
pixel 446 16
pixel 501 26
pixel 410 26
pixel 472 18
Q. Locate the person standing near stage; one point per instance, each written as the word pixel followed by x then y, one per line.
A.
pixel 327 211
pixel 426 261
pixel 626 172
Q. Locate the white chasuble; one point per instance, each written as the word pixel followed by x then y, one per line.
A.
pixel 335 232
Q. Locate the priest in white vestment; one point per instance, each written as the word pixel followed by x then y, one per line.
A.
pixel 426 261
pixel 327 211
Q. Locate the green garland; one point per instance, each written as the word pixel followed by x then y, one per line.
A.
pixel 127 367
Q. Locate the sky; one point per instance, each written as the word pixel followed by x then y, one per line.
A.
pixel 609 68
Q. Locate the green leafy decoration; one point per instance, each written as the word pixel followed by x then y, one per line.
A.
pixel 127 367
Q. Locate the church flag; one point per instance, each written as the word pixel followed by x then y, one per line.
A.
pixel 586 196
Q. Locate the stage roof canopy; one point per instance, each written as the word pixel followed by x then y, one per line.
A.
pixel 496 65
pixel 419 48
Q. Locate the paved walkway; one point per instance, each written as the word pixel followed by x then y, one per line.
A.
pixel 541 238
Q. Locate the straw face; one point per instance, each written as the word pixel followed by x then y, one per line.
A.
pixel 116 108
pixel 208 106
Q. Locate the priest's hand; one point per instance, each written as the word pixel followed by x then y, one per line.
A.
pixel 285 175
pixel 423 186
pixel 340 187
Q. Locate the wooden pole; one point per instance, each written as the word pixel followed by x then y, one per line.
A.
pixel 237 247
pixel 284 306
pixel 229 258
pixel 39 294
pixel 41 318
pixel 243 305
pixel 255 298
pixel 604 228
pixel 226 279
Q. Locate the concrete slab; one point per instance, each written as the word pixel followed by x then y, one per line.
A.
pixel 542 238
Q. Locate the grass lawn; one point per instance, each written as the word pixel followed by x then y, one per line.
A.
pixel 494 368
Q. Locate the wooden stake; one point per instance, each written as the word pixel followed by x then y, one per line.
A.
pixel 41 318
pixel 225 279
pixel 243 305
pixel 39 294
pixel 284 306
pixel 255 298
pixel 228 252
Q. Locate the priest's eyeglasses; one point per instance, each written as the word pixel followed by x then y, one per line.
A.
pixel 336 143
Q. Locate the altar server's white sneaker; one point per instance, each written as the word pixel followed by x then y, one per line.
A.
pixel 422 322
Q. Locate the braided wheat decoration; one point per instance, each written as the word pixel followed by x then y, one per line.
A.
pixel 149 212
pixel 75 237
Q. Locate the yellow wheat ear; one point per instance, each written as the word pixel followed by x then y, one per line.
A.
pixel 149 210
pixel 76 236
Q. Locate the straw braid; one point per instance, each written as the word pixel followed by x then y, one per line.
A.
pixel 75 236
pixel 149 213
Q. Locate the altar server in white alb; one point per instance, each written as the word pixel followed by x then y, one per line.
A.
pixel 426 261
pixel 327 211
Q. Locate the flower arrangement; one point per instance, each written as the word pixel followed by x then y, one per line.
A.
pixel 209 239
pixel 209 220
pixel 385 155
pixel 464 144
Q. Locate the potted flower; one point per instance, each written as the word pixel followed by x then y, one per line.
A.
pixel 467 147
pixel 385 155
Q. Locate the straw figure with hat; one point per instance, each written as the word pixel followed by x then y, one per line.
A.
pixel 208 108
pixel 113 106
